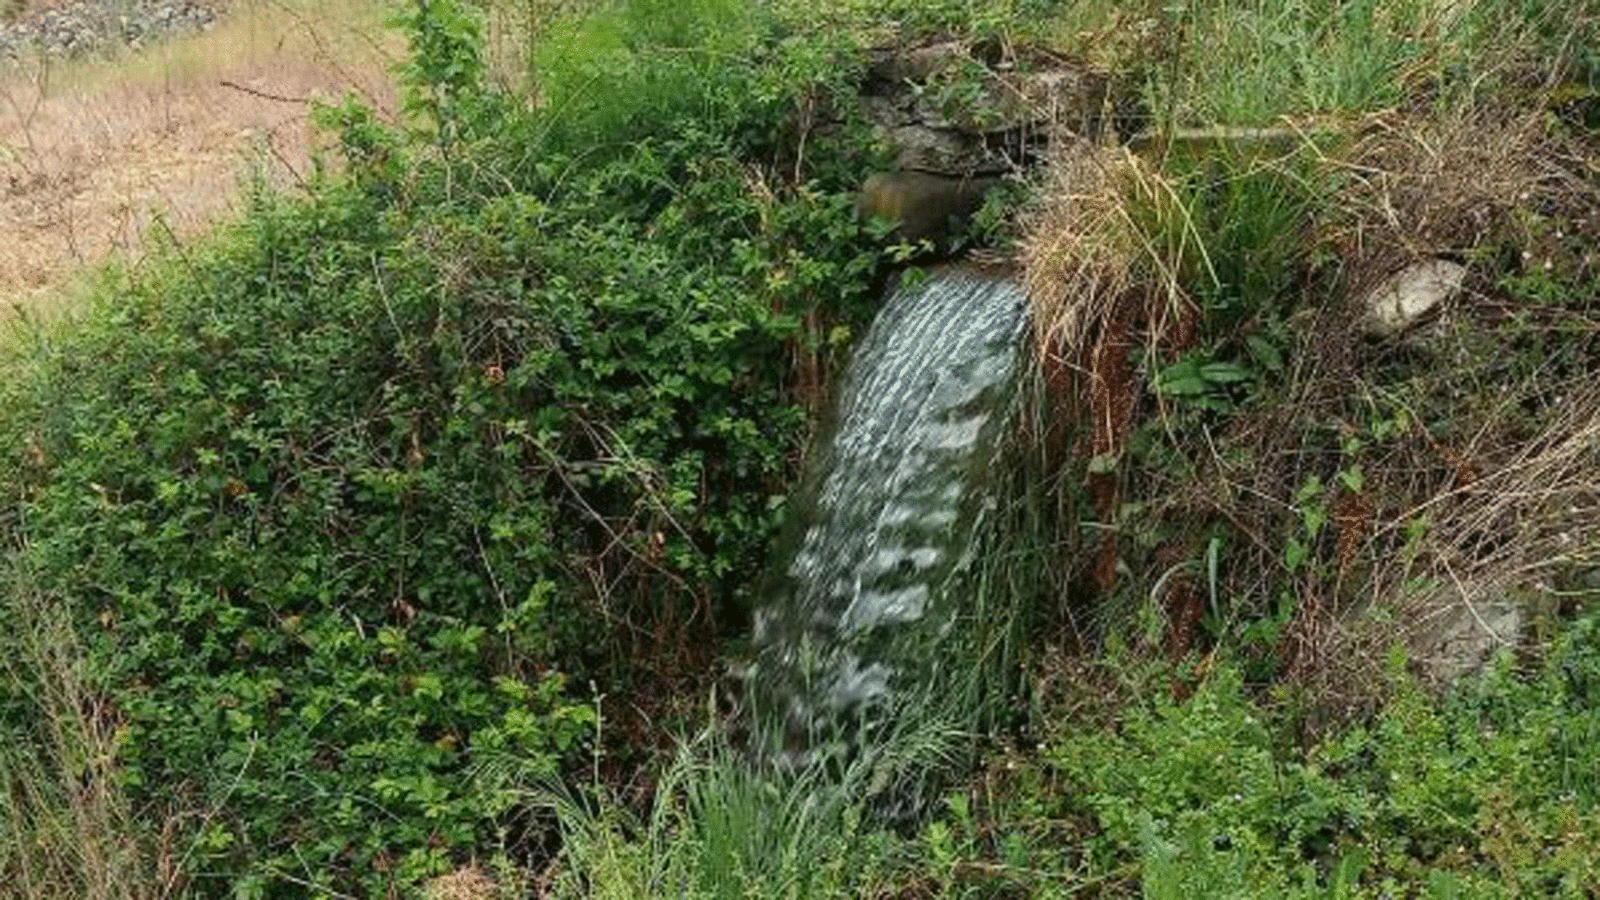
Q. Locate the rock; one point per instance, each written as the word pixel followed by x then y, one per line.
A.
pixel 918 64
pixel 1408 295
pixel 923 203
pixel 88 26
pixel 1460 628
pixel 961 108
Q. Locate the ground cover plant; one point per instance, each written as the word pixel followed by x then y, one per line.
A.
pixel 390 540
pixel 1487 794
pixel 379 487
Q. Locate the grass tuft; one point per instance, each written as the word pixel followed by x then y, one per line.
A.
pixel 720 827
pixel 67 831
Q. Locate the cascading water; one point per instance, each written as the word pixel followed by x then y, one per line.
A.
pixel 869 610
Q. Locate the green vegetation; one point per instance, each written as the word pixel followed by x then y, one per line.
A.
pixel 397 530
pixel 381 489
pixel 718 829
pixel 1490 794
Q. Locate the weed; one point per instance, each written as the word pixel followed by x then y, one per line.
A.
pixel 69 827
pixel 344 526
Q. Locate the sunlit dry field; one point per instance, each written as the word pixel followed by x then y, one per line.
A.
pixel 98 157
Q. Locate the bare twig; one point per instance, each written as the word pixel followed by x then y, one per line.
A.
pixel 265 95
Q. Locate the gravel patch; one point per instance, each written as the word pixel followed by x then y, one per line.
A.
pixel 84 27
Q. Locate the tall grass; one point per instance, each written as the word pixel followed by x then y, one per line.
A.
pixel 606 75
pixel 721 827
pixel 66 829
pixel 1247 62
pixel 1255 62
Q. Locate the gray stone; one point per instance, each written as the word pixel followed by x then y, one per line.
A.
pixel 1458 628
pixel 963 109
pixel 90 26
pixel 1408 295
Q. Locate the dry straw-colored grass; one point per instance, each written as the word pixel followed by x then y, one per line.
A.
pixel 1090 246
pixel 1103 262
pixel 466 883
pixel 1490 492
pixel 69 830
pixel 1499 475
pixel 1484 551
pixel 96 156
pixel 1451 185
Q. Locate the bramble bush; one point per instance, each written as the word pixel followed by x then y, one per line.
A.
pixel 374 494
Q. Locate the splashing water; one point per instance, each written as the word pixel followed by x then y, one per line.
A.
pixel 862 611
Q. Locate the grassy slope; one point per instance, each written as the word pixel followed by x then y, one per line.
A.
pixel 1233 792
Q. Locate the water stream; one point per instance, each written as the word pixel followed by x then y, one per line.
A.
pixel 868 606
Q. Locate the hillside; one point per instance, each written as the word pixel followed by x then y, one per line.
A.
pixel 139 132
pixel 427 408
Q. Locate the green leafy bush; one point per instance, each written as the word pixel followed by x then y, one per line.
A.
pixel 1491 790
pixel 366 499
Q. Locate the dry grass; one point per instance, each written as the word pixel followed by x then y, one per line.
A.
pixel 95 157
pixel 1488 497
pixel 1086 248
pixel 1104 256
pixel 466 883
pixel 1491 495
pixel 69 832
pixel 1452 185
pixel 1455 565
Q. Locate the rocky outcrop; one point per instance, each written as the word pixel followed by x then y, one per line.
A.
pixel 966 108
pixel 91 26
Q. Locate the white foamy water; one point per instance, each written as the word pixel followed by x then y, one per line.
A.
pixel 895 495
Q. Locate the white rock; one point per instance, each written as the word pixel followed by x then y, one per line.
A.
pixel 1410 294
pixel 1459 628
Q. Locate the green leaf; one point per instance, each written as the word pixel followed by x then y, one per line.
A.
pixel 1352 479
pixel 1264 352
pixel 1294 554
pixel 1182 384
pixel 1224 373
pixel 1313 516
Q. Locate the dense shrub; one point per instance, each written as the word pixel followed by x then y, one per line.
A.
pixel 373 496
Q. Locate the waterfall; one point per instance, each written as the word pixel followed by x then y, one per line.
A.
pixel 868 608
